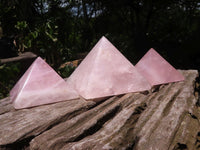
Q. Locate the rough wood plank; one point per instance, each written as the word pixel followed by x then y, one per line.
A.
pixel 24 56
pixel 165 119
pixel 17 125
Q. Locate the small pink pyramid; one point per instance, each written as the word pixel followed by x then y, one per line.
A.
pixel 157 70
pixel 106 72
pixel 40 85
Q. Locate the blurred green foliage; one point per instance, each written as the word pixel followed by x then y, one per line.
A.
pixel 57 30
pixel 8 72
pixel 66 71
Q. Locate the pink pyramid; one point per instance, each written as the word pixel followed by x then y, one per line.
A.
pixel 157 70
pixel 105 72
pixel 40 85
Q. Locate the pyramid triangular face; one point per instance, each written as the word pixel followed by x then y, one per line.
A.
pixel 106 72
pixel 157 70
pixel 40 85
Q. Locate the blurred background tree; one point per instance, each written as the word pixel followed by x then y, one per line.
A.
pixel 58 30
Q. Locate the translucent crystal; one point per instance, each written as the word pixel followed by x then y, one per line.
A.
pixel 40 85
pixel 105 72
pixel 157 70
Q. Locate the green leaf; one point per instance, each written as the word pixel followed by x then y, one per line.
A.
pixel 21 25
pixel 34 34
pixel 51 37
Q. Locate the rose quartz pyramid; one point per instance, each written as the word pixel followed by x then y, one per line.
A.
pixel 105 72
pixel 40 85
pixel 157 70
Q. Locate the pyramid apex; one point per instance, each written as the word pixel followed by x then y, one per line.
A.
pixel 157 70
pixel 39 59
pixel 104 39
pixel 106 72
pixel 40 85
pixel 152 49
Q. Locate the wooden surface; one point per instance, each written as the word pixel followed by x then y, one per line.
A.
pixel 167 118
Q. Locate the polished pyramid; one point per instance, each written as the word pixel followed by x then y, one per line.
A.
pixel 106 72
pixel 157 70
pixel 40 85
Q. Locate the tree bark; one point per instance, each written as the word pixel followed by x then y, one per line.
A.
pixel 24 56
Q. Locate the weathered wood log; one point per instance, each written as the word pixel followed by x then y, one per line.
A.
pixel 167 118
pixel 22 57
